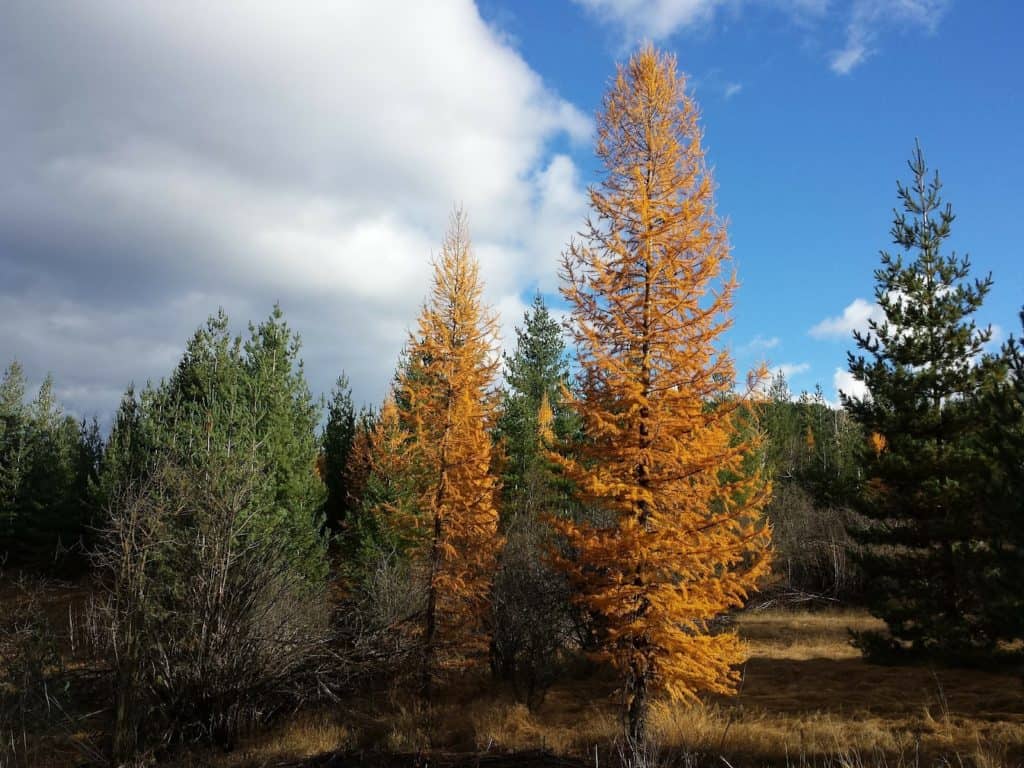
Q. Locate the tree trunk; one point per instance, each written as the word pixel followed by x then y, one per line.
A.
pixel 638 705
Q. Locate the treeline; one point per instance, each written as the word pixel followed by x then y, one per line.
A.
pixel 49 468
pixel 615 499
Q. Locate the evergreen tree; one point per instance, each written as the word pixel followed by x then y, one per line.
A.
pixel 536 373
pixel 125 452
pixel 336 446
pixel 13 451
pixel 228 402
pixel 1001 494
pixel 44 511
pixel 284 432
pixel 923 364
pixel 389 522
pixel 529 600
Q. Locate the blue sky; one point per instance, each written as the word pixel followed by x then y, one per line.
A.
pixel 162 160
pixel 806 157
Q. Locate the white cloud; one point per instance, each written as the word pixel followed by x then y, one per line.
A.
pixel 659 19
pixel 855 317
pixel 760 343
pixel 843 61
pixel 844 381
pixel 997 336
pixel 868 16
pixel 731 89
pixel 861 21
pixel 653 19
pixel 186 155
pixel 789 370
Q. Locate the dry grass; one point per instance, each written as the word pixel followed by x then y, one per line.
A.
pixel 806 696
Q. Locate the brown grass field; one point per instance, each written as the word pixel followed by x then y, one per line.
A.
pixel 807 698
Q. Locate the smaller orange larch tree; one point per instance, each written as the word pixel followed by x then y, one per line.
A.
pixel 450 403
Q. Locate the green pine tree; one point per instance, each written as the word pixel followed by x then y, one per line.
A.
pixel 126 452
pixel 336 446
pixel 284 431
pixel 230 403
pixel 923 363
pixel 1001 494
pixel 535 372
pixel 13 451
pixel 43 510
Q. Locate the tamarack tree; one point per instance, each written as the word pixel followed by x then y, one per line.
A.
pixel 676 534
pixel 447 387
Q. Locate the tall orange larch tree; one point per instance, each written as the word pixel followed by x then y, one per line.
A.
pixel 448 388
pixel 675 534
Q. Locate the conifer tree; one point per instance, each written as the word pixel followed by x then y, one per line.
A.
pixel 125 452
pixel 536 374
pixel 676 536
pixel 1001 494
pixel 234 404
pixel 531 613
pixel 923 364
pixel 44 464
pixel 447 388
pixel 336 446
pixel 359 465
pixel 13 450
pixel 389 523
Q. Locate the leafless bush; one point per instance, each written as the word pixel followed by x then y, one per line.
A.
pixel 812 546
pixel 37 678
pixel 530 613
pixel 377 630
pixel 206 628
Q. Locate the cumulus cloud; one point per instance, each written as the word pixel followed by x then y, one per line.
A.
pixel 789 370
pixel 855 317
pixel 653 19
pixel 162 159
pixel 844 382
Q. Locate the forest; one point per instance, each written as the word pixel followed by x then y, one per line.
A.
pixel 605 546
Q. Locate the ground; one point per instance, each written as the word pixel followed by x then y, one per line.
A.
pixel 806 698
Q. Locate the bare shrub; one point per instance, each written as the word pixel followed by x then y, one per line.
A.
pixel 39 678
pixel 531 616
pixel 379 627
pixel 33 697
pixel 207 630
pixel 812 547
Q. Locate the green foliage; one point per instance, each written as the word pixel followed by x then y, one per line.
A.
pixel 1001 492
pixel 232 401
pixel 924 364
pixel 813 455
pixel 336 446
pixel 531 608
pixel 537 369
pixel 47 460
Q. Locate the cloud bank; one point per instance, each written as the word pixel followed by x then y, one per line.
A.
pixel 163 159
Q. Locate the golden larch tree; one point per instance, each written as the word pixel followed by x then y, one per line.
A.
pixel 448 385
pixel 675 535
